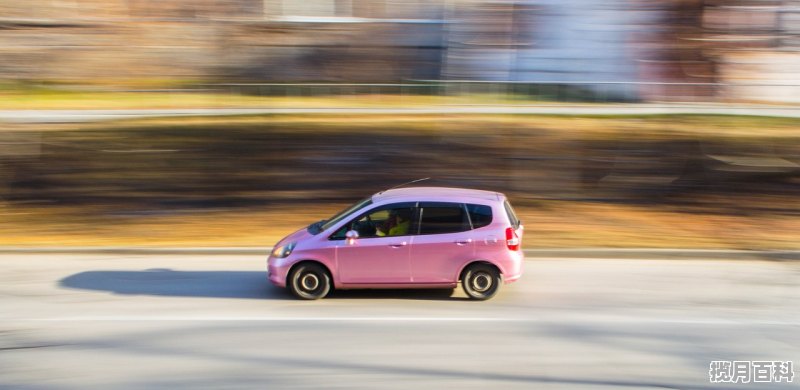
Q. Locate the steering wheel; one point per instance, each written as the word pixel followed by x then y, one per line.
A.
pixel 370 225
pixel 370 222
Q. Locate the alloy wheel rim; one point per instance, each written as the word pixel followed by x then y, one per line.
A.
pixel 481 282
pixel 309 282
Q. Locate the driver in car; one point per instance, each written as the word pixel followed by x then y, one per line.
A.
pixel 397 224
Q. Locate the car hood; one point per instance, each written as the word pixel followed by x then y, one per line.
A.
pixel 297 236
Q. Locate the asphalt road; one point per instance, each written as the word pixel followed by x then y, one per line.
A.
pixel 211 321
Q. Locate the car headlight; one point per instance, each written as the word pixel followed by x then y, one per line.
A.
pixel 283 250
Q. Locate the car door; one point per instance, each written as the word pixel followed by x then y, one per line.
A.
pixel 380 255
pixel 443 243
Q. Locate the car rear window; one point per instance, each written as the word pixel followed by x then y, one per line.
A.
pixel 512 216
pixel 438 218
pixel 480 215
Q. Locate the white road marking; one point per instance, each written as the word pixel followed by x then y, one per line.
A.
pixel 571 319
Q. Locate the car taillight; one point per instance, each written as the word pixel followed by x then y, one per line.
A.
pixel 512 241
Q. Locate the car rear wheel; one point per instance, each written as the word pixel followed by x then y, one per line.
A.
pixel 309 281
pixel 481 281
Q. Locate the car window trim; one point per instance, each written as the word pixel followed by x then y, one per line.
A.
pixel 469 217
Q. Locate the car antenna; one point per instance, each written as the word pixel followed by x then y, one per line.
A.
pixel 405 184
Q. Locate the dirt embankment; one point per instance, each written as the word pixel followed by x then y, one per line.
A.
pixel 618 177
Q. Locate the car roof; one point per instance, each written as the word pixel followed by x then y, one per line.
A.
pixel 447 194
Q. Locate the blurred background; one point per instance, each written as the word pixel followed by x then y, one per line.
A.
pixel 386 92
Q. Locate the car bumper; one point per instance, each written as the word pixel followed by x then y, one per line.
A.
pixel 276 275
pixel 513 269
pixel 511 278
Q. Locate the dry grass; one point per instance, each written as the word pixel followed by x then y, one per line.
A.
pixel 551 224
pixel 54 100
pixel 576 224
pixel 651 127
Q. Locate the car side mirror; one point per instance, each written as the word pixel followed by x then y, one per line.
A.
pixel 351 236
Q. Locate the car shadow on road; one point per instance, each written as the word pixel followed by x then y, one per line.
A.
pixel 217 284
pixel 167 282
pixel 427 294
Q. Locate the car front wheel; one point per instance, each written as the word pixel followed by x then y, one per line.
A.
pixel 481 281
pixel 309 281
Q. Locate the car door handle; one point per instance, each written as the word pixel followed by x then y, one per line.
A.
pixel 464 242
pixel 402 244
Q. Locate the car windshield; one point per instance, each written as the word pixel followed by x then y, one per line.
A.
pixel 325 225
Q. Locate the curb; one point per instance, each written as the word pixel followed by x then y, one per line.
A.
pixel 665 254
pixel 77 115
pixel 572 253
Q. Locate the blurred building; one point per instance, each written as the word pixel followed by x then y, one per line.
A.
pixel 742 50
pixel 220 40
pixel 756 45
pixel 673 50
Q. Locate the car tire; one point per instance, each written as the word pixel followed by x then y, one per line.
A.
pixel 309 281
pixel 481 281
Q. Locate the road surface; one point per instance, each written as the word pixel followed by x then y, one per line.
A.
pixel 77 321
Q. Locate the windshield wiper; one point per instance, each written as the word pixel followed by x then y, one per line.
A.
pixel 316 227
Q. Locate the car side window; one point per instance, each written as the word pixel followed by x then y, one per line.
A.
pixel 512 216
pixel 440 217
pixel 480 215
pixel 384 221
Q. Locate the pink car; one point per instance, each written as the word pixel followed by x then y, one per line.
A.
pixel 422 237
